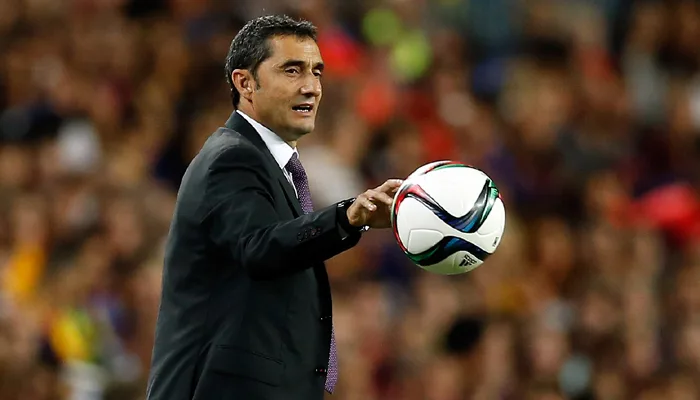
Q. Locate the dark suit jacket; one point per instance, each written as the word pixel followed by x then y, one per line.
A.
pixel 245 310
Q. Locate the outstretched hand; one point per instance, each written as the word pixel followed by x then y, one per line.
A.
pixel 373 207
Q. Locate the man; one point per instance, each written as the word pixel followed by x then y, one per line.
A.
pixel 246 306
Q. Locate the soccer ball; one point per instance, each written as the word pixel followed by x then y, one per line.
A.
pixel 448 217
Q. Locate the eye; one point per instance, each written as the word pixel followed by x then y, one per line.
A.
pixel 318 73
pixel 292 70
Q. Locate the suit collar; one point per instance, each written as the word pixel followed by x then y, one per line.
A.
pixel 238 123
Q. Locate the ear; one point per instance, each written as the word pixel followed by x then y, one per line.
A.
pixel 244 82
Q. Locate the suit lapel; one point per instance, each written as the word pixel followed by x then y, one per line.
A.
pixel 237 123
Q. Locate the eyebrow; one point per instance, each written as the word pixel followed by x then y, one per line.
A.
pixel 299 63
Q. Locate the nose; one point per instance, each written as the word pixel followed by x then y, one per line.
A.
pixel 312 87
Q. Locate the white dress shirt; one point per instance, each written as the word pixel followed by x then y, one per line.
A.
pixel 281 151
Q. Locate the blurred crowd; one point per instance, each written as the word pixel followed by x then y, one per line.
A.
pixel 585 112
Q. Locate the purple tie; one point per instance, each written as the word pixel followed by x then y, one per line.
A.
pixel 304 194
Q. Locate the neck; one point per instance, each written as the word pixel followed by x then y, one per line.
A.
pixel 248 110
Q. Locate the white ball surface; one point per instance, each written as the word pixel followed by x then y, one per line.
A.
pixel 448 217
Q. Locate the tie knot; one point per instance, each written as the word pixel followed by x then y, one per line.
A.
pixel 294 164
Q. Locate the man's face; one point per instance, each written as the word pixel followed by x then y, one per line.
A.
pixel 288 88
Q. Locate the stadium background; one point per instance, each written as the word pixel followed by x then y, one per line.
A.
pixel 585 112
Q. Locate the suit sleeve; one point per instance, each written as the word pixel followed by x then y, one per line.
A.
pixel 242 218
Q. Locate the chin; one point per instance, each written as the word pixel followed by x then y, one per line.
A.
pixel 301 130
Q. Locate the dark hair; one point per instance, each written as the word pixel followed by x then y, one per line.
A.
pixel 250 47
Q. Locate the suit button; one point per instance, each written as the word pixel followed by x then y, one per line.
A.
pixel 326 318
pixel 321 371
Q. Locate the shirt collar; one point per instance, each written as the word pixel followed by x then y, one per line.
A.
pixel 281 151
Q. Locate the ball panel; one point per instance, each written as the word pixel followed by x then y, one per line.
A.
pixel 444 267
pixel 489 234
pixel 446 247
pixel 412 213
pixel 452 187
pixel 495 220
pixel 421 240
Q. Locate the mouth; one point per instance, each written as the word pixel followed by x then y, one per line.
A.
pixel 305 108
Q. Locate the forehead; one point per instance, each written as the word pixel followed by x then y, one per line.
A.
pixel 288 47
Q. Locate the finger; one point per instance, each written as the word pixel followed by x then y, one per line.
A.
pixel 390 186
pixel 381 197
pixel 366 202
